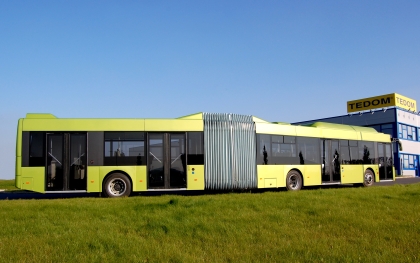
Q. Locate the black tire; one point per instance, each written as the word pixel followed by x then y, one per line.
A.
pixel 368 178
pixel 293 181
pixel 117 185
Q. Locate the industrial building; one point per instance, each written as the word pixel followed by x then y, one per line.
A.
pixel 393 114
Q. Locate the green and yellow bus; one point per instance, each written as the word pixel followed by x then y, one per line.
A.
pixel 203 151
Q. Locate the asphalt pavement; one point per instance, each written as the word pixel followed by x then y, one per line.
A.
pixel 400 180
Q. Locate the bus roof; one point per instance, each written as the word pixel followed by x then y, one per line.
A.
pixel 194 122
pixel 328 125
pixel 40 116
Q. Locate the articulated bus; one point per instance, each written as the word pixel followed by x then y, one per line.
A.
pixel 203 151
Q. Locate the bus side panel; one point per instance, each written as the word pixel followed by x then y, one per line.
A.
pixel 351 174
pixel 33 178
pixel 18 171
pixel 173 125
pixel 195 178
pixel 19 139
pixel 270 176
pixel 18 181
pixel 140 178
pixel 375 137
pixel 83 125
pixel 311 175
pixel 270 128
pixel 93 182
pixel 393 173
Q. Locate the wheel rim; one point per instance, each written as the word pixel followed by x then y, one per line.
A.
pixel 117 187
pixel 368 178
pixel 294 182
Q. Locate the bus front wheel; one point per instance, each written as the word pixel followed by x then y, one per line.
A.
pixel 293 181
pixel 117 185
pixel 368 178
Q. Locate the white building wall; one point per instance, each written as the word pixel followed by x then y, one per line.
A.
pixel 410 147
pixel 408 173
pixel 408 118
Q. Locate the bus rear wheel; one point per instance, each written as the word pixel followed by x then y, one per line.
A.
pixel 293 181
pixel 117 185
pixel 368 178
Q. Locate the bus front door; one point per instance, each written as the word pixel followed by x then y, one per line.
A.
pixel 166 161
pixel 385 161
pixel 331 161
pixel 66 164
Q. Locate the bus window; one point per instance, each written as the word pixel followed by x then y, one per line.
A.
pixel 195 148
pixel 309 152
pixel 264 148
pixel 37 149
pixel 124 148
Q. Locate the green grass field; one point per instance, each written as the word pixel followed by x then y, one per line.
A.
pixel 378 224
pixel 7 184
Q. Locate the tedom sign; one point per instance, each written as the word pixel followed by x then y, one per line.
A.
pixel 389 100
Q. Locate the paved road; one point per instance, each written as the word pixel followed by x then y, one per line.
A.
pixel 401 180
pixel 31 195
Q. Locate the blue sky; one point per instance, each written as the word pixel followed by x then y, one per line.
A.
pixel 279 60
